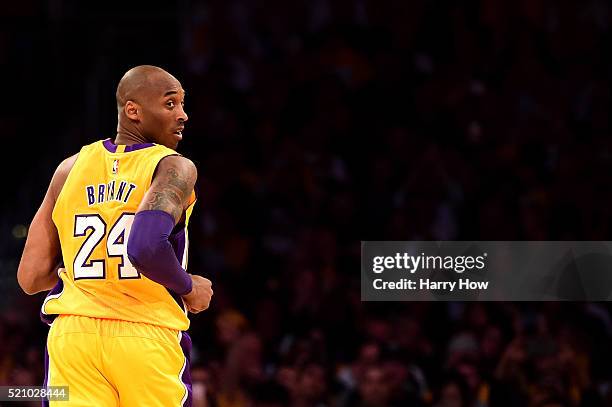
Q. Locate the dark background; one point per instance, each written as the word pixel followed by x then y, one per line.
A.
pixel 316 124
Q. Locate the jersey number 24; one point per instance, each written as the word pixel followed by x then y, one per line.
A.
pixel 116 246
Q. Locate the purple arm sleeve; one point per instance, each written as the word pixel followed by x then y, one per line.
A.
pixel 151 253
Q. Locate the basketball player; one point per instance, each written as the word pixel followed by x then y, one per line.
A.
pixel 110 242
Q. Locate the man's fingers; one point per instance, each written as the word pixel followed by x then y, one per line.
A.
pixel 202 293
pixel 195 310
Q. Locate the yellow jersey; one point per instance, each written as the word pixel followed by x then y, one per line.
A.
pixel 93 215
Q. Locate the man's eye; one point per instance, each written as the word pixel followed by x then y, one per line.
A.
pixel 170 103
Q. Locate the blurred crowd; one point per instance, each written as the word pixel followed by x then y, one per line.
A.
pixel 316 124
pixel 417 354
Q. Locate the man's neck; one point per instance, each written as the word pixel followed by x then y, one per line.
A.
pixel 129 138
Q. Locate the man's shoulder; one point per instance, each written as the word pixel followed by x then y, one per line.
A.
pixel 178 171
pixel 178 163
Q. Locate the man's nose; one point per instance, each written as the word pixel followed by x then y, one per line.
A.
pixel 182 117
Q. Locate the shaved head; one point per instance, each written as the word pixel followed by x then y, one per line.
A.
pixel 150 106
pixel 138 81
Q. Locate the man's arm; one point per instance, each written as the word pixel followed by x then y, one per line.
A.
pixel 148 247
pixel 42 253
pixel 171 187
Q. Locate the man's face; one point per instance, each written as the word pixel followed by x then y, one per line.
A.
pixel 163 116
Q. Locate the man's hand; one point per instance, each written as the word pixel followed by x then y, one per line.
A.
pixel 199 297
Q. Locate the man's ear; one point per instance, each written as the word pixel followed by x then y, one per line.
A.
pixel 132 110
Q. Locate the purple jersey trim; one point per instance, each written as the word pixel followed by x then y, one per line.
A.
pixel 48 318
pixel 186 376
pixel 112 147
pixel 45 403
pixel 177 240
